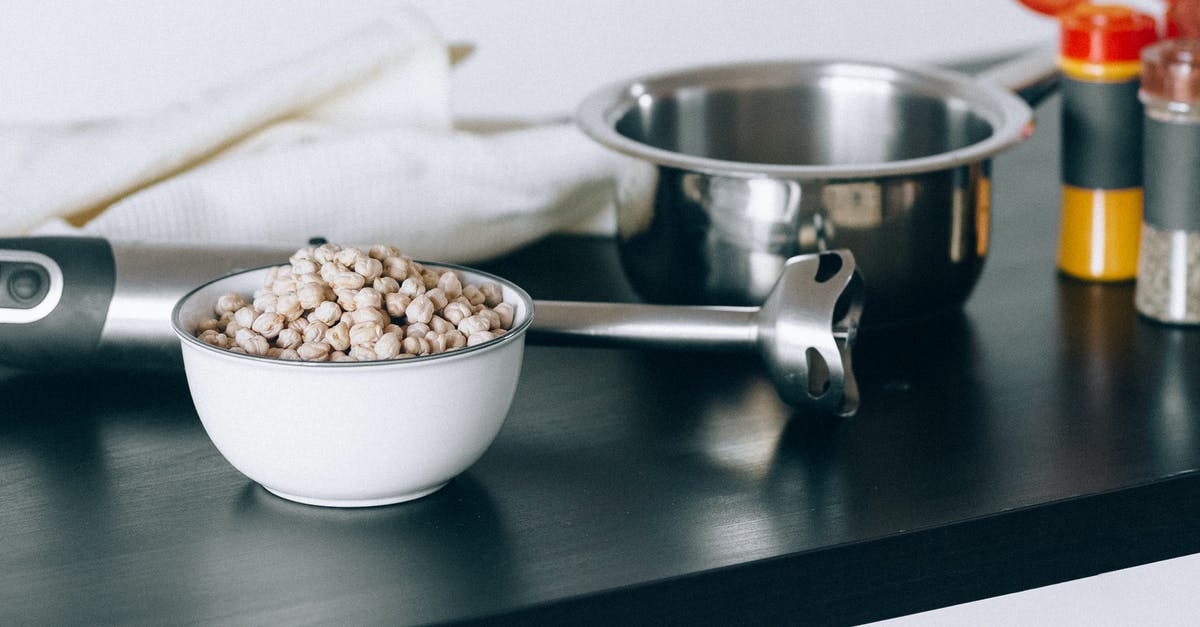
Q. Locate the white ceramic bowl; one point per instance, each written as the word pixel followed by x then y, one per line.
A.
pixel 351 434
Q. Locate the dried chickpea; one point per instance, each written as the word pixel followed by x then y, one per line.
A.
pixel 305 266
pixel 479 337
pixel 213 337
pixel 473 324
pixel 492 294
pixel 313 294
pixel 450 285
pixel 365 333
pixel 386 285
pixel 396 303
pixel 245 316
pixel 288 305
pixel 229 303
pixel 368 297
pixel 507 314
pixel 251 342
pixel 417 329
pixel 455 312
pixel 289 338
pixel 327 313
pixel 412 287
pixel 314 351
pixel 338 336
pixel 420 309
pixel 388 346
pixel 268 324
pixel 315 331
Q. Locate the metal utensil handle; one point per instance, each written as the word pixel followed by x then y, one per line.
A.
pixel 1032 75
pixel 640 325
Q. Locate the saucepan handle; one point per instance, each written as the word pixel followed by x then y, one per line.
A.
pixel 1031 75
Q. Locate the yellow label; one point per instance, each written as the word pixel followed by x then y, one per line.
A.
pixel 1101 229
pixel 1112 72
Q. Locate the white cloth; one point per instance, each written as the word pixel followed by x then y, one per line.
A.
pixel 353 142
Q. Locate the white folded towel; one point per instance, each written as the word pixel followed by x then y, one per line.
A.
pixel 353 142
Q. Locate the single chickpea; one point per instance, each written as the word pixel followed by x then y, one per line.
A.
pixel 368 297
pixel 420 309
pixel 396 267
pixel 365 333
pixel 313 294
pixel 326 252
pixel 314 351
pixel 369 268
pixel 305 266
pixel 327 313
pixel 388 346
pixel 441 325
pixel 229 303
pixel 348 255
pixel 289 306
pixel 338 336
pixel 212 324
pixel 438 298
pixel 315 332
pixel 493 294
pixel 289 338
pixel 455 312
pixel 386 285
pixel 269 324
pixel 473 324
pixel 347 281
pixel 413 287
pixel 507 314
pixel 416 329
pixel 450 284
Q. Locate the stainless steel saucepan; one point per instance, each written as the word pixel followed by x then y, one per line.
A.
pixel 740 167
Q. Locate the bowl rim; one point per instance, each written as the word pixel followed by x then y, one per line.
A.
pixel 1011 117
pixel 512 335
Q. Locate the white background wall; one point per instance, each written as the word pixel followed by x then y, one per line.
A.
pixel 62 59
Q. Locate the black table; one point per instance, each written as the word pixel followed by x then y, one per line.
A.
pixel 1045 433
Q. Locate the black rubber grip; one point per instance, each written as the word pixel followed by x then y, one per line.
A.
pixel 1101 135
pixel 67 336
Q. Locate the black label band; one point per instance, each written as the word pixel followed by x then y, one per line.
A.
pixel 1101 135
pixel 1172 200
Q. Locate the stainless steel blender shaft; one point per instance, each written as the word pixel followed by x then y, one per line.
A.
pixel 804 331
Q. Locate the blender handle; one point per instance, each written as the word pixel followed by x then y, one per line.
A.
pixel 55 294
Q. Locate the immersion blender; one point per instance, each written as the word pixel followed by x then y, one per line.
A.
pixel 70 303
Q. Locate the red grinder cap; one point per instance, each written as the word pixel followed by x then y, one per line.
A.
pixel 1105 33
pixel 1171 70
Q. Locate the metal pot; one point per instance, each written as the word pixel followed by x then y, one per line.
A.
pixel 740 167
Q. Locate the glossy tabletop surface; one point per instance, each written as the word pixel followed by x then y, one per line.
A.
pixel 1044 433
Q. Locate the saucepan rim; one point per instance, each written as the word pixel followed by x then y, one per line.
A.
pixel 1009 116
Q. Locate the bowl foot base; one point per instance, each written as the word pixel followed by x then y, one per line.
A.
pixel 387 500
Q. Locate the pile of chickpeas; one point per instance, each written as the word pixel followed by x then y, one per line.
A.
pixel 335 303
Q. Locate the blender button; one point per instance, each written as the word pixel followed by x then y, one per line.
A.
pixel 24 285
